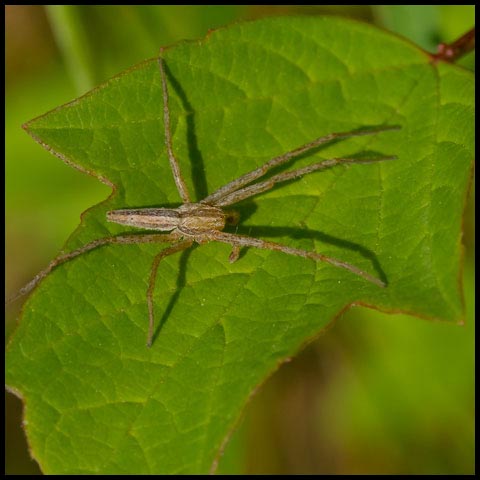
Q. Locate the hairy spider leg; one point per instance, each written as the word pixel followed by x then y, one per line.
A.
pixel 249 177
pixel 238 241
pixel 260 187
pixel 177 247
pixel 177 175
pixel 120 239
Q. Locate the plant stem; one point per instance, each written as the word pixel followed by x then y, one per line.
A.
pixel 450 52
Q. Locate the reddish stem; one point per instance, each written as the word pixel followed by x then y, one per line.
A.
pixel 450 52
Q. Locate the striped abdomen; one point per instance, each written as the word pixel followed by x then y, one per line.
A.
pixel 189 218
pixel 163 219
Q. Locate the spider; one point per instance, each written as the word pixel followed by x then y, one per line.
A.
pixel 204 221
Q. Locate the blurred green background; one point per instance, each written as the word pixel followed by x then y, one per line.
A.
pixel 375 393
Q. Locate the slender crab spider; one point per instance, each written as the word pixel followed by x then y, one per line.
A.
pixel 204 221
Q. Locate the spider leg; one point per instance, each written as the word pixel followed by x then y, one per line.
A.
pixel 234 254
pixel 178 247
pixel 122 239
pixel 243 241
pixel 177 175
pixel 260 187
pixel 280 160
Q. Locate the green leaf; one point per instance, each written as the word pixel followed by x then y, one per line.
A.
pixel 97 400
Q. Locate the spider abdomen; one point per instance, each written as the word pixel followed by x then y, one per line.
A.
pixel 163 219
